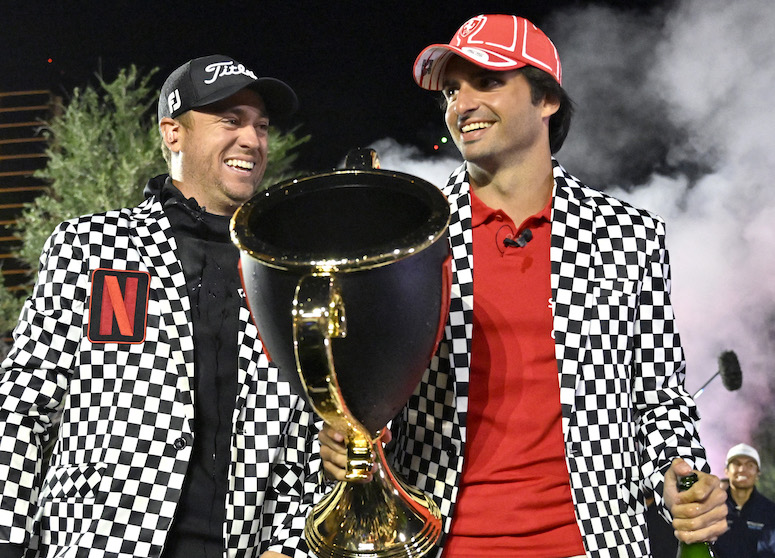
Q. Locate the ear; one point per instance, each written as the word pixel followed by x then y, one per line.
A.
pixel 170 133
pixel 550 106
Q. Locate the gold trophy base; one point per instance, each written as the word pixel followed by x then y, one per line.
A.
pixel 385 518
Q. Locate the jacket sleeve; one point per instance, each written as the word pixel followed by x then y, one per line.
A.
pixel 34 378
pixel 297 485
pixel 666 414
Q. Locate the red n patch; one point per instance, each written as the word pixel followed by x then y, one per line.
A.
pixel 119 306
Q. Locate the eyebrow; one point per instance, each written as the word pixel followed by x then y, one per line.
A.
pixel 220 108
pixel 242 111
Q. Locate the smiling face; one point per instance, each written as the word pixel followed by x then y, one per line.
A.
pixel 220 157
pixel 491 116
pixel 743 472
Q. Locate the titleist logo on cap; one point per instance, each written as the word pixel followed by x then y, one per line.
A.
pixel 222 69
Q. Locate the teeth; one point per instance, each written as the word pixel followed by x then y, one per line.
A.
pixel 475 126
pixel 247 165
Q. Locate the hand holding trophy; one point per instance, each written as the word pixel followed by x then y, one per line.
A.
pixel 347 277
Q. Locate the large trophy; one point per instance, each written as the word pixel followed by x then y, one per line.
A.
pixel 347 278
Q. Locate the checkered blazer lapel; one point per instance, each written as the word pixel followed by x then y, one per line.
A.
pixel 152 236
pixel 459 327
pixel 572 269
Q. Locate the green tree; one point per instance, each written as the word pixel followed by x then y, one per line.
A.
pixel 102 149
pixel 103 146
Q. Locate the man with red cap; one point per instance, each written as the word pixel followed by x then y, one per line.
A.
pixel 556 403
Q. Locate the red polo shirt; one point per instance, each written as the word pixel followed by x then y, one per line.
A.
pixel 514 497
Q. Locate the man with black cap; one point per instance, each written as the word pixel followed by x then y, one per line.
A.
pixel 556 403
pixel 177 437
pixel 751 515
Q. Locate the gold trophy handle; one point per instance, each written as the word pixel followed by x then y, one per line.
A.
pixel 384 518
pixel 318 316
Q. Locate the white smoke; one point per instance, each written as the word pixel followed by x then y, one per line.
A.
pixel 409 159
pixel 675 114
pixel 714 68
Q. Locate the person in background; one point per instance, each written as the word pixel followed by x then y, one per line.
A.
pixel 556 403
pixel 178 438
pixel 751 514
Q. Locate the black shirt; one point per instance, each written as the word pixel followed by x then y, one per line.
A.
pixel 209 261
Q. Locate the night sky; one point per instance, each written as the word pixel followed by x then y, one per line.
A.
pixel 349 62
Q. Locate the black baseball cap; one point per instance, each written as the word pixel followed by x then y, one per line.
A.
pixel 205 80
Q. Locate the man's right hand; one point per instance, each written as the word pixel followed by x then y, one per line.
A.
pixel 333 452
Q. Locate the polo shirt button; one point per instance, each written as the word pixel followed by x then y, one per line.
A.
pixel 180 443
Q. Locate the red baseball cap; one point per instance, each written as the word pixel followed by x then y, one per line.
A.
pixel 498 42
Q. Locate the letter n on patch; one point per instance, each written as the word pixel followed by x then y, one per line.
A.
pixel 119 306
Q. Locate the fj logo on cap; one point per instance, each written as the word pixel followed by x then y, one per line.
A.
pixel 174 101
pixel 221 69
pixel 119 306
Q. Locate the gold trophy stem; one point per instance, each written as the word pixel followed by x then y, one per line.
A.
pixel 385 518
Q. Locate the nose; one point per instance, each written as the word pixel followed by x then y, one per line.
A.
pixel 466 99
pixel 250 137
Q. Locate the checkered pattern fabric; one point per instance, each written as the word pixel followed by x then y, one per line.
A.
pixel 127 409
pixel 625 412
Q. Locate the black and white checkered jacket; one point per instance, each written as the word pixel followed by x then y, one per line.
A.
pixel 127 409
pixel 625 412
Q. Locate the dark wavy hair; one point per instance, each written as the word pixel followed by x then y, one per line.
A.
pixel 543 85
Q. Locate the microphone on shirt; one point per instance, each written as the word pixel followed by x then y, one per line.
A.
pixel 521 240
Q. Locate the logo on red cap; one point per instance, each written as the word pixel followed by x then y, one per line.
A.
pixel 471 25
pixel 498 42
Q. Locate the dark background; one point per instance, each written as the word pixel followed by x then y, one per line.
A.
pixel 349 62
